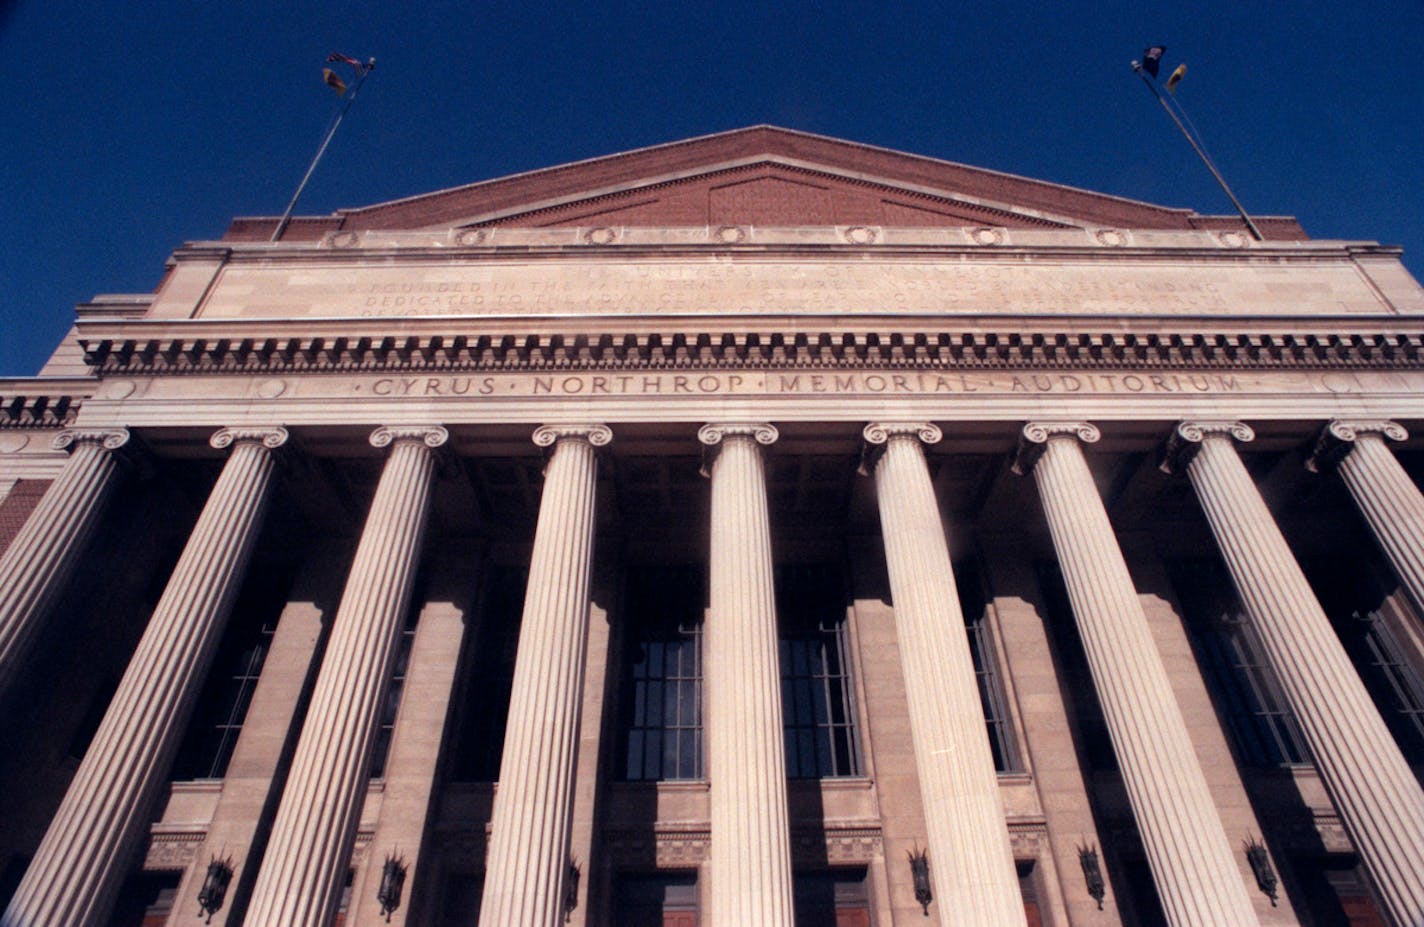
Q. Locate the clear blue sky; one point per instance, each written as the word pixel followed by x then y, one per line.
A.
pixel 126 129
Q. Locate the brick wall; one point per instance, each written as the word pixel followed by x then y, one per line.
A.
pixel 17 506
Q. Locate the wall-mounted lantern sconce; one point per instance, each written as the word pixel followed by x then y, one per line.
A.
pixel 214 890
pixel 571 885
pixel 1092 873
pixel 920 873
pixel 1260 862
pixel 392 884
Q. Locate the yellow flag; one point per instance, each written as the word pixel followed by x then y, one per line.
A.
pixel 1176 78
pixel 336 83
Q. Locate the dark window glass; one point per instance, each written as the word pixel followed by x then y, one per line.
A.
pixel 661 733
pixel 1396 685
pixel 836 898
pixel 986 668
pixel 489 678
pixel 1134 880
pixel 1335 892
pixel 460 899
pixel 1028 888
pixel 1234 664
pixel 146 899
pixel 222 707
pixel 1091 727
pixel 817 703
pixel 655 900
pixel 395 688
pixel 1353 591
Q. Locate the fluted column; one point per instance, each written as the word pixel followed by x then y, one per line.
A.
pixel 1380 801
pixel 1192 862
pixel 87 850
pixel 1386 496
pixel 750 857
pixel 529 843
pixel 971 860
pixel 42 556
pixel 304 868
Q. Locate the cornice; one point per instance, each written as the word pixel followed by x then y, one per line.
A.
pixel 160 349
pixel 35 402
pixel 1008 244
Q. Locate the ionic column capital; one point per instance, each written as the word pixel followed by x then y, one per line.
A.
pixel 111 439
pixel 878 434
pixel 270 438
pixel 549 435
pixel 1186 440
pixel 1337 439
pixel 430 435
pixel 712 435
pixel 1034 438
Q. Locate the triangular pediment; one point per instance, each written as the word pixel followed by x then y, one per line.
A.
pixel 761 176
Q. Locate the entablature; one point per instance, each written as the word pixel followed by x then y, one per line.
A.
pixel 154 347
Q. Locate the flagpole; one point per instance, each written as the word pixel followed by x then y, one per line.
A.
pixel 1201 153
pixel 286 220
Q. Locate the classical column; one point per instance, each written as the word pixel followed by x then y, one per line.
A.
pixel 87 850
pixel 1379 799
pixel 1387 497
pixel 750 857
pixel 971 860
pixel 304 868
pixel 529 843
pixel 38 562
pixel 1192 861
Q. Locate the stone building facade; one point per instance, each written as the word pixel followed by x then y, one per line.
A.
pixel 760 529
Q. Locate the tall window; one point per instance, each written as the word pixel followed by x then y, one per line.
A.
pixel 1091 726
pixel 986 668
pixel 394 690
pixel 818 710
pixel 1241 680
pixel 222 707
pixel 490 677
pixel 662 674
pixel 1397 686
pixel 1355 591
pixel 833 897
pixel 662 899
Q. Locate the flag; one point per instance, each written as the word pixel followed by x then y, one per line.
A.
pixel 1176 78
pixel 344 59
pixel 332 81
pixel 1152 59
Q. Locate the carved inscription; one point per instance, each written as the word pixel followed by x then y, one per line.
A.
pixel 819 286
pixel 795 384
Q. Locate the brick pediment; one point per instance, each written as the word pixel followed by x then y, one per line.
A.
pixel 762 176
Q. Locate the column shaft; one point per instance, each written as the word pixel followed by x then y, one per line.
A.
pixel 85 853
pixel 304 868
pixel 971 859
pixel 1379 799
pixel 750 857
pixel 1388 498
pixel 1196 874
pixel 529 845
pixel 42 556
